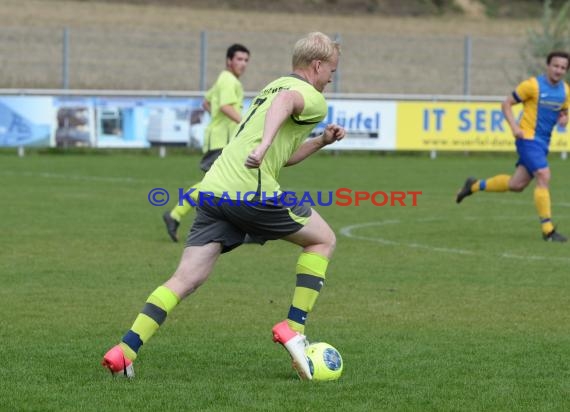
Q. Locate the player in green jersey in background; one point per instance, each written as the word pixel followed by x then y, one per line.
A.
pixel 224 102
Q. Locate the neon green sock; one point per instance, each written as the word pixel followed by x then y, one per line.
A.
pixel 311 270
pixel 182 210
pixel 157 307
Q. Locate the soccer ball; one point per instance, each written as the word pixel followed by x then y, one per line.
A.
pixel 325 361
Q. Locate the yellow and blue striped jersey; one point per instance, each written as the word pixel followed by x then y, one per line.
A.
pixel 542 103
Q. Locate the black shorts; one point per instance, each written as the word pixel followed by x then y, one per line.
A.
pixel 209 158
pixel 229 224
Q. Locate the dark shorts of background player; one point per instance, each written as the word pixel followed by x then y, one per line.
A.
pixel 231 224
pixel 209 158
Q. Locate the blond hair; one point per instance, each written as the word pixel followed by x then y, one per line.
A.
pixel 314 46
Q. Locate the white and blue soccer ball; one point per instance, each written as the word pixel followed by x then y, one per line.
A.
pixel 325 361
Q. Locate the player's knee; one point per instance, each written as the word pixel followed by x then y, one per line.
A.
pixel 516 186
pixel 331 241
pixel 543 179
pixel 541 175
pixel 185 280
pixel 325 244
pixel 190 285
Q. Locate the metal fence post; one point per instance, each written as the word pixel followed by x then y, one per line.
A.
pixel 65 59
pixel 336 82
pixel 467 46
pixel 203 59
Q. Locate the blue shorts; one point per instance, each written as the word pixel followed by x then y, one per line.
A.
pixel 532 154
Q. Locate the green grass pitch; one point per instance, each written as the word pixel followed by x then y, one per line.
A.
pixel 437 307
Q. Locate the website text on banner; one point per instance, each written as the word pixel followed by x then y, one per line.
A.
pixel 461 126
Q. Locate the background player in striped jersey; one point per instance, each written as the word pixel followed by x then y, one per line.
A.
pixel 545 100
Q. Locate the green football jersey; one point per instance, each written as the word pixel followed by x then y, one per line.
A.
pixel 226 90
pixel 230 178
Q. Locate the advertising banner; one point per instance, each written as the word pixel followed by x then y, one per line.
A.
pixel 370 125
pixel 90 121
pixel 75 122
pixel 461 126
pixel 26 121
pixel 145 122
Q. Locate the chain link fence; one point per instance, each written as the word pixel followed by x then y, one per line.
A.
pixel 86 58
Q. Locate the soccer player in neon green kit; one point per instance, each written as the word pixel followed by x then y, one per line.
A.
pixel 224 102
pixel 272 135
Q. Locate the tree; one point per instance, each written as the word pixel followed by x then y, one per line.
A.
pixel 552 34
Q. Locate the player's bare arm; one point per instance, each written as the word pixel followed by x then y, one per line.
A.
pixel 231 113
pixel 332 133
pixel 206 106
pixel 563 118
pixel 507 108
pixel 285 104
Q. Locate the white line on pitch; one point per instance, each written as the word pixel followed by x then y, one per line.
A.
pixel 347 231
